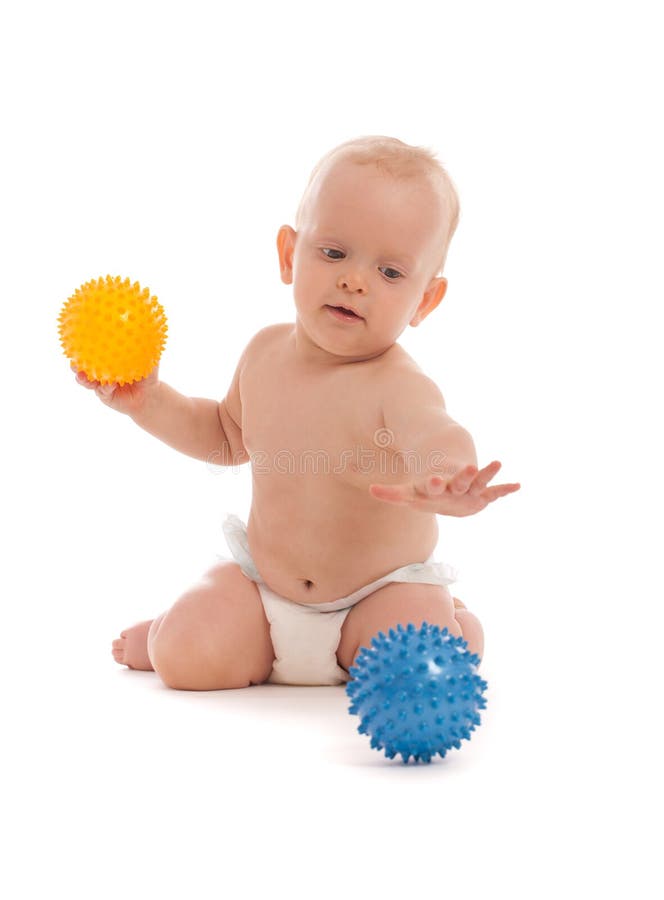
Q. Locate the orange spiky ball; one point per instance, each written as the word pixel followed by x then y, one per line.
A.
pixel 113 330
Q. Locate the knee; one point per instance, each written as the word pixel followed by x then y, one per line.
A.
pixel 183 672
pixel 395 604
pixel 182 664
pixel 215 636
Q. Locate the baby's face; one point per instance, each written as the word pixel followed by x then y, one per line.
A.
pixel 369 242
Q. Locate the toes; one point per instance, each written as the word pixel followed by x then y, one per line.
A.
pixel 118 650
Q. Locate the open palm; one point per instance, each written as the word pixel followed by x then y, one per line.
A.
pixel 464 494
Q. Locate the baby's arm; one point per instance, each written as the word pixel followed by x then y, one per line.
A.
pixel 198 427
pixel 195 426
pixel 414 413
pixel 446 480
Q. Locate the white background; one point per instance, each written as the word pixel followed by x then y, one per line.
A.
pixel 168 142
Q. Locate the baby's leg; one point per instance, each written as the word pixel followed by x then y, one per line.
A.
pixel 215 636
pixel 471 629
pixel 398 604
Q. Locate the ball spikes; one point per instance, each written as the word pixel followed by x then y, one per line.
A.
pixel 416 691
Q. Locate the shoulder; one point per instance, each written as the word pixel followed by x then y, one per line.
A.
pixel 405 382
pixel 254 350
pixel 268 336
pixel 277 329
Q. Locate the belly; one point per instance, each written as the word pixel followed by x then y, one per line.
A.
pixel 335 543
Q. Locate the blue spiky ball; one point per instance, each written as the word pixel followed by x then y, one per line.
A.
pixel 417 692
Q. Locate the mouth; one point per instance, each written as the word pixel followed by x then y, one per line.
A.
pixel 344 311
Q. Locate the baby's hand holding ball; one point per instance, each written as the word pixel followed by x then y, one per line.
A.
pixel 113 331
pixel 124 398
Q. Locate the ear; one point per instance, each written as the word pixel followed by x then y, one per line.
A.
pixel 430 300
pixel 286 247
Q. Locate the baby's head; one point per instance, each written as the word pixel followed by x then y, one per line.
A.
pixel 371 233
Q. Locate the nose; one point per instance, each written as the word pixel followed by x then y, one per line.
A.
pixel 353 282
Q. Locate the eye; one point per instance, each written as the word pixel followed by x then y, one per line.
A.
pixel 332 250
pixel 392 277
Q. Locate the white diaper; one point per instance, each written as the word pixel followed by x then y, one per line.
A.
pixel 305 637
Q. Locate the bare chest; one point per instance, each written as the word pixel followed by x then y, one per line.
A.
pixel 325 424
pixel 317 440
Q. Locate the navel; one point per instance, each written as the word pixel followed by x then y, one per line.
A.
pixel 307 583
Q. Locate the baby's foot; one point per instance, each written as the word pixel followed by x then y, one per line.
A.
pixel 131 648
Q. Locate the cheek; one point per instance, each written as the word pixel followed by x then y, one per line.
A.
pixel 306 286
pixel 398 311
pixel 308 275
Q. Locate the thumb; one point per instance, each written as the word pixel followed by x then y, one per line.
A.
pixel 105 391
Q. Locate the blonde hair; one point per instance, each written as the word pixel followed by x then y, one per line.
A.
pixel 401 161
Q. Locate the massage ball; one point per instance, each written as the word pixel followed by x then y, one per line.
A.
pixel 113 330
pixel 416 691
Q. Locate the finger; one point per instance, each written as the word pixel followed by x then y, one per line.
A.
pixel 484 476
pixel 390 493
pixel 83 379
pixel 435 484
pixel 499 490
pixel 462 480
pixel 105 391
pixel 421 490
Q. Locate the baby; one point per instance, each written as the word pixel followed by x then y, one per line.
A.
pixel 353 454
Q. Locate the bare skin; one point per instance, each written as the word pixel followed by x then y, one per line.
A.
pixel 131 648
pixel 353 454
